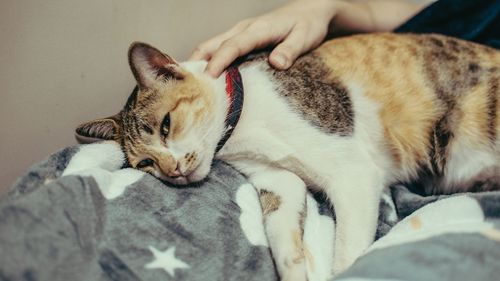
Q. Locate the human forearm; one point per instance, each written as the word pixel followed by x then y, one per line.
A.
pixel 371 16
pixel 298 27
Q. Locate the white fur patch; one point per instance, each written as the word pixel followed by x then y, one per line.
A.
pixel 102 161
pixel 196 67
pixel 466 162
pixel 460 214
pixel 251 219
pixel 319 237
pixel 392 215
pixel 326 161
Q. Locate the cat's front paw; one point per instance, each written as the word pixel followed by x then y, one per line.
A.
pixel 295 272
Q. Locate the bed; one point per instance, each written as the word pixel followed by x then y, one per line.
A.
pixel 79 215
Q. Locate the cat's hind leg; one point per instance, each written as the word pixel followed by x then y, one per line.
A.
pixel 355 194
pixel 283 195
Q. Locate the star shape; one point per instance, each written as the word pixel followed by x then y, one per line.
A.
pixel 166 260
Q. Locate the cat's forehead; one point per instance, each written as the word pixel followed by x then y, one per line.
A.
pixel 144 103
pixel 168 90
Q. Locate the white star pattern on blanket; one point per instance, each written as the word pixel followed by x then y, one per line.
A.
pixel 166 260
pixel 103 161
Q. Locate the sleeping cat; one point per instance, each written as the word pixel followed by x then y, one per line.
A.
pixel 353 116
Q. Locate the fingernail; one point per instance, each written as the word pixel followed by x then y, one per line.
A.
pixel 280 61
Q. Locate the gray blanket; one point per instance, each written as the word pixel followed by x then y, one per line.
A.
pixel 80 216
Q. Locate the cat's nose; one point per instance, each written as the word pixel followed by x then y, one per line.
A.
pixel 169 169
pixel 177 172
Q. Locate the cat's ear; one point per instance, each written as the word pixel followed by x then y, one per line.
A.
pixel 98 130
pixel 149 64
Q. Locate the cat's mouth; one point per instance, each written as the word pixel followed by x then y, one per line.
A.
pixel 182 180
pixel 195 174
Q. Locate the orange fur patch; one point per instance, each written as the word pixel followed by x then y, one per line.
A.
pixel 299 248
pixel 394 72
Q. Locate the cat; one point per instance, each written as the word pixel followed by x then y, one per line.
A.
pixel 353 116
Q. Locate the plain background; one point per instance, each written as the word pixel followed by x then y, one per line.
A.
pixel 63 62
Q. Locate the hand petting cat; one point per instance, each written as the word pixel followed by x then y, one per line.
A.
pixel 298 27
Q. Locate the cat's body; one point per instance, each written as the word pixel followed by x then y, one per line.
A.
pixel 427 105
pixel 350 118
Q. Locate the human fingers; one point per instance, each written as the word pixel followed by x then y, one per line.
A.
pixel 205 50
pixel 285 53
pixel 236 46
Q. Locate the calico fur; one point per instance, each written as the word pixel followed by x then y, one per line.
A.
pixel 353 116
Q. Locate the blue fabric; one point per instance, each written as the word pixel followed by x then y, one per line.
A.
pixel 473 20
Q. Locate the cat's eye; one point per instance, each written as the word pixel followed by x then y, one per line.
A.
pixel 145 163
pixel 165 125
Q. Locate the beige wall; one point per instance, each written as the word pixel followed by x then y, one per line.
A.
pixel 64 61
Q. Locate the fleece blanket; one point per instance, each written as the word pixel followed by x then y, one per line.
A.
pixel 80 216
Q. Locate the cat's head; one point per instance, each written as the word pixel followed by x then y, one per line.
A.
pixel 170 125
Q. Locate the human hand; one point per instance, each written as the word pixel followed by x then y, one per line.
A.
pixel 295 28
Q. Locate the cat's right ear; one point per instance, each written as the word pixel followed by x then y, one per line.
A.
pixel 149 64
pixel 98 130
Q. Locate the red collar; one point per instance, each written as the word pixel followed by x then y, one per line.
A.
pixel 234 92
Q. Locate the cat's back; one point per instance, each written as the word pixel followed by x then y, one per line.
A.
pixel 390 65
pixel 435 95
pixel 398 71
pixel 385 49
pixel 438 97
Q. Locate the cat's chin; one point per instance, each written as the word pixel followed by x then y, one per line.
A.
pixel 198 175
pixel 184 180
pixel 177 181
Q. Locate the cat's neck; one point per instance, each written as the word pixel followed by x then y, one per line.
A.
pixel 235 97
pixel 255 91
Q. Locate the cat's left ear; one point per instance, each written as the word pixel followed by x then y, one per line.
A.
pixel 149 64
pixel 99 130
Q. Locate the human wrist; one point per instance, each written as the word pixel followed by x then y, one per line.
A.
pixel 326 9
pixel 329 7
pixel 351 17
